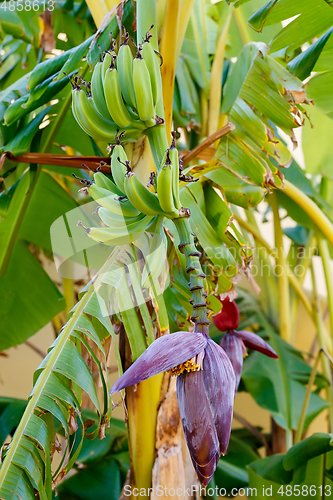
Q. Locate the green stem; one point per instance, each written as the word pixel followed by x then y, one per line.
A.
pixel 54 356
pixel 145 18
pixel 311 208
pixel 302 265
pixel 242 27
pixel 284 300
pixel 321 338
pixel 301 421
pixel 195 272
pixel 325 257
pixel 266 277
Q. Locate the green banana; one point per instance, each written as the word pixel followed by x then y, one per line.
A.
pixel 114 98
pixel 118 168
pixel 104 182
pixel 143 91
pixel 111 201
pixel 93 123
pixel 108 234
pixel 165 187
pixel 90 120
pixel 117 221
pixel 173 153
pixel 125 71
pixel 153 65
pixel 140 197
pixel 98 92
pixel 107 62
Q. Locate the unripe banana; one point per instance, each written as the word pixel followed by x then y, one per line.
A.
pixel 93 123
pixel 120 235
pixel 143 91
pixel 173 154
pixel 114 99
pixel 107 62
pixel 165 187
pixel 140 197
pixel 111 202
pixel 98 91
pixel 106 236
pixel 118 168
pixel 117 221
pixel 103 181
pixel 125 71
pixel 153 65
pixel 90 120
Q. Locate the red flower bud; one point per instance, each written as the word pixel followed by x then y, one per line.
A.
pixel 228 318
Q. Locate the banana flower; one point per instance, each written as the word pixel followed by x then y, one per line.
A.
pixel 235 342
pixel 205 392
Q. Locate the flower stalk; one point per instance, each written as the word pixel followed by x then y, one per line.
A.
pixel 195 273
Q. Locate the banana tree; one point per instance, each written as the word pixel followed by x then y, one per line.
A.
pixel 175 117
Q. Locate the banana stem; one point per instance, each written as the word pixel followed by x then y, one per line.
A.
pixel 142 405
pixel 311 208
pixel 285 320
pixel 195 272
pixel 321 338
pixel 266 276
pixel 301 421
pixel 326 260
pixel 242 27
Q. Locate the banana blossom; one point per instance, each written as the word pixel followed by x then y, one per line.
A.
pixel 205 391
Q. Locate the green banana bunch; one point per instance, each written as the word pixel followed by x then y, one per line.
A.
pixel 124 93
